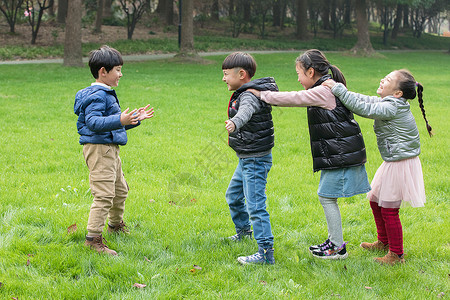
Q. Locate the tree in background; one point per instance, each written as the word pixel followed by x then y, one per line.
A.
pixel 72 41
pixel 10 8
pixel 134 9
pixel 187 29
pixel 33 8
pixel 302 19
pixel 99 16
pixel 363 45
pixel 62 11
pixel 165 11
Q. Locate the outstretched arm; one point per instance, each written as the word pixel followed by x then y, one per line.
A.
pixel 365 106
pixel 319 96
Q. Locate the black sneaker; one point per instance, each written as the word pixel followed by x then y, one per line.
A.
pixel 241 234
pixel 331 251
pixel 317 247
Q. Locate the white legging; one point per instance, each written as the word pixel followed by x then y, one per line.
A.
pixel 334 223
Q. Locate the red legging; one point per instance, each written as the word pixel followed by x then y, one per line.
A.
pixel 389 227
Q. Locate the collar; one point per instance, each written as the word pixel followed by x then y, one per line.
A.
pixel 101 84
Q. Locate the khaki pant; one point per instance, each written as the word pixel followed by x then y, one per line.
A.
pixel 108 186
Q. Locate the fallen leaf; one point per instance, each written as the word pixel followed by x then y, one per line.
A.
pixel 262 282
pixel 28 262
pixel 197 267
pixel 193 200
pixel 146 259
pixel 441 294
pixel 72 228
pixel 176 271
pixel 30 255
pixel 14 298
pixel 139 285
pixel 345 267
pixel 368 287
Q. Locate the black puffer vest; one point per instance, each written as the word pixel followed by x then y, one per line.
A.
pixel 336 139
pixel 257 136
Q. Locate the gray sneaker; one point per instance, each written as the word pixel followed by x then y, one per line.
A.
pixel 263 256
pixel 241 234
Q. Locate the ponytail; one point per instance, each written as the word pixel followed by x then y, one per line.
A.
pixel 337 75
pixel 407 84
pixel 422 108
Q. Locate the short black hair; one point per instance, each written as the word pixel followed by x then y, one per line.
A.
pixel 240 60
pixel 106 57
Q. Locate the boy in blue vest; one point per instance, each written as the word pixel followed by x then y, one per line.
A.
pixel 251 135
pixel 102 128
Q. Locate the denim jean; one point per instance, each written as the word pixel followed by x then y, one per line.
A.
pixel 246 197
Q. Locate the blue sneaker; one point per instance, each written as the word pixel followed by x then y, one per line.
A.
pixel 331 251
pixel 317 247
pixel 263 256
pixel 241 234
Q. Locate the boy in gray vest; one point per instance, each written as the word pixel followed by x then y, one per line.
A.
pixel 251 135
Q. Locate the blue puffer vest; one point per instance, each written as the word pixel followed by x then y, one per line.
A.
pixel 336 139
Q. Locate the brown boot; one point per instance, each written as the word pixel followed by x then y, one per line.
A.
pixel 375 246
pixel 119 228
pixel 390 258
pixel 96 243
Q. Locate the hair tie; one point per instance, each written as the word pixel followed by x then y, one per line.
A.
pixel 417 84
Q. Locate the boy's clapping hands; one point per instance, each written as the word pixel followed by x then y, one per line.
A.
pixel 133 117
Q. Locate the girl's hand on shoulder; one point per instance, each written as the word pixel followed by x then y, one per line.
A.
pixel 255 92
pixel 329 83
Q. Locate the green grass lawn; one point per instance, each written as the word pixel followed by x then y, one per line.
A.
pixel 178 166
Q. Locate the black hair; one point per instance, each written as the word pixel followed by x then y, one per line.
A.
pixel 407 84
pixel 315 59
pixel 106 57
pixel 240 60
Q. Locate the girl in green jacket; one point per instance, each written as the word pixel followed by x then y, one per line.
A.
pixel 399 179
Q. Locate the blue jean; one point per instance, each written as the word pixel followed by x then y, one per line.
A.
pixel 246 197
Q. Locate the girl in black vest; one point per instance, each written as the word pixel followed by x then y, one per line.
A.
pixel 337 145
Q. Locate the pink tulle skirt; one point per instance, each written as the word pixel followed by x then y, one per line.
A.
pixel 398 183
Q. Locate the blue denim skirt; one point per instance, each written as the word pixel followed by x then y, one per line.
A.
pixel 345 182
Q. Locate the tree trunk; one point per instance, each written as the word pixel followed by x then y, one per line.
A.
pixel 276 13
pixel 397 21
pixel 326 15
pixel 169 15
pixel 405 16
pixel 107 9
pixel 247 7
pixel 215 11
pixel 187 29
pixel 347 12
pixel 99 16
pixel 302 20
pixel 72 41
pixel 230 8
pixel 62 11
pixel 363 45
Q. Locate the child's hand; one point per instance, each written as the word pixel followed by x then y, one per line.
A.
pixel 229 126
pixel 255 92
pixel 129 118
pixel 329 83
pixel 143 113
